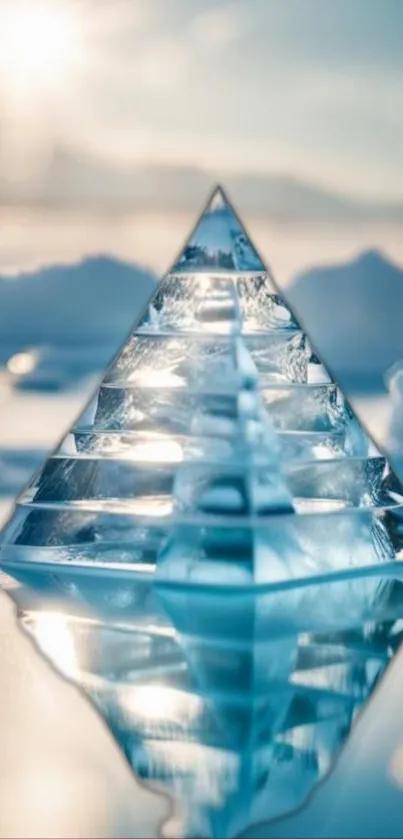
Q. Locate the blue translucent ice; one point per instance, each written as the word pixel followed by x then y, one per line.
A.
pixel 219 242
pixel 215 544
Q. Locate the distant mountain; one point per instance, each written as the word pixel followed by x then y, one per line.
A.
pixel 354 315
pixel 353 312
pixel 94 301
pixel 76 179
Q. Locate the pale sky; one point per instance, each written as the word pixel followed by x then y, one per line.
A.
pixel 148 101
pixel 312 88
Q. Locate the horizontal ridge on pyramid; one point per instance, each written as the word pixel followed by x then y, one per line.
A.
pixel 217 543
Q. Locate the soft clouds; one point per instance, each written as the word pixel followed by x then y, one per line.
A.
pixel 78 181
pixel 308 88
pixel 220 26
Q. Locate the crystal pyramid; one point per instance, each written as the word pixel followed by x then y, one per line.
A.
pixel 217 543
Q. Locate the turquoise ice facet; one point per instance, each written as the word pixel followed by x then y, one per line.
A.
pixel 215 542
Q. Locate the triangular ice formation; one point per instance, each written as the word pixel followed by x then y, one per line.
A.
pixel 221 537
pixel 219 242
pixel 216 409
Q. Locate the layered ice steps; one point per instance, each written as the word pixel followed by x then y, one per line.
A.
pixel 213 552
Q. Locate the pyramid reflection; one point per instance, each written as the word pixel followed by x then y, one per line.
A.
pixel 212 552
pixel 236 704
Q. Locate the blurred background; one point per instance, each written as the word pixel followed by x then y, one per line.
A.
pixel 118 116
pixel 116 119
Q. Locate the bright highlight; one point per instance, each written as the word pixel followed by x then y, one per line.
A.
pixel 39 44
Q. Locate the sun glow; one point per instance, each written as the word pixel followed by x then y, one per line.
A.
pixel 39 45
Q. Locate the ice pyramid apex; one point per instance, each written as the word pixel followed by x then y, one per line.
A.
pixel 218 199
pixel 219 242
